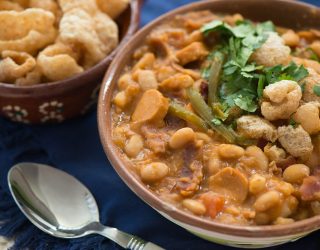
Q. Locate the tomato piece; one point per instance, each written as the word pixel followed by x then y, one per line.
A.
pixel 213 203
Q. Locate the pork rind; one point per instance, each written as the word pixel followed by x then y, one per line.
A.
pixel 86 36
pixel 28 30
pixel 113 7
pixel 96 35
pixel 9 5
pixel 15 65
pixel 32 78
pixel 58 62
pixel 49 5
pixel 107 31
pixel 89 6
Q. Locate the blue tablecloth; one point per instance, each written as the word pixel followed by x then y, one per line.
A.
pixel 74 146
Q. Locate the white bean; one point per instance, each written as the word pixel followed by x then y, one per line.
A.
pixel 194 206
pixel 267 201
pixel 257 183
pixel 134 146
pixel 181 137
pixel 147 80
pixel 296 173
pixel 230 151
pixel 154 172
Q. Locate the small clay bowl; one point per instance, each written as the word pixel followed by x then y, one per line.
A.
pixel 61 100
pixel 284 13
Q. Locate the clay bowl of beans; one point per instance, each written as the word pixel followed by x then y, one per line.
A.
pixel 54 56
pixel 210 114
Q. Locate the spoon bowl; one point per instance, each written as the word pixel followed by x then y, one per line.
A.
pixel 37 191
pixel 60 205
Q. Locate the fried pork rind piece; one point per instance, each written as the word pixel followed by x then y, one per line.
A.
pixel 296 141
pixel 253 126
pixel 107 31
pixel 9 5
pixel 28 30
pixel 272 52
pixel 15 65
pixel 49 5
pixel 312 80
pixel 113 8
pixel 32 78
pixel 58 62
pixel 96 35
pixel 89 6
pixel 281 100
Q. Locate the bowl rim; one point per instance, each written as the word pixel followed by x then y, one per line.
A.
pixel 120 163
pixel 12 89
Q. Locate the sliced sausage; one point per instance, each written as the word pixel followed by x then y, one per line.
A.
pixel 230 182
pixel 153 106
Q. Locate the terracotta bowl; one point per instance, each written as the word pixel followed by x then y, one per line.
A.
pixel 57 101
pixel 281 12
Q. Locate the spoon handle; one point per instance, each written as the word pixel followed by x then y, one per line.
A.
pixel 125 240
pixel 139 244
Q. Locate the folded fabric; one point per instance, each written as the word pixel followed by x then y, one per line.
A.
pixel 74 147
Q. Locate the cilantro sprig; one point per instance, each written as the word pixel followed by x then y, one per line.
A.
pixel 238 78
pixel 241 82
pixel 289 72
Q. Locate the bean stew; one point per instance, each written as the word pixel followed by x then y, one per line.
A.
pixel 220 117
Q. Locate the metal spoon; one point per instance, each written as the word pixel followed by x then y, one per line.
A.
pixel 58 204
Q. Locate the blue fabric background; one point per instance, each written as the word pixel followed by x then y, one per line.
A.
pixel 74 146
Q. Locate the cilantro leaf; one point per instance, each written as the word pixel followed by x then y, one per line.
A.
pixel 243 29
pixel 248 71
pixel 246 74
pixel 273 73
pixel 230 69
pixel 267 26
pixel 300 73
pixel 244 55
pixel 316 90
pixel 249 68
pixel 290 72
pixel 253 41
pixel 297 73
pixel 285 76
pixel 216 25
pixel 247 103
